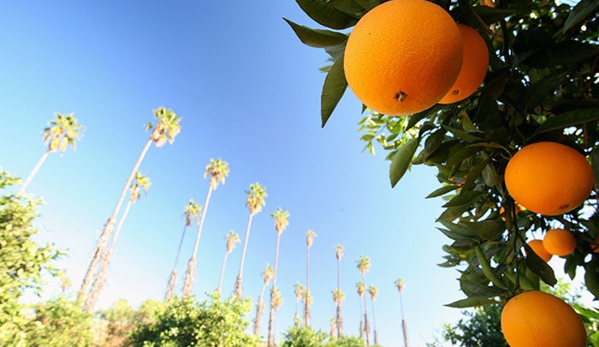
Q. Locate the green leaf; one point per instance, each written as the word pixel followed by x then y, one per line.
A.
pixel 464 231
pixel 401 160
pixel 350 7
pixel 539 266
pixel 457 158
pixel 324 13
pixel 560 54
pixel 333 89
pixel 316 37
pixel 568 119
pixel 541 89
pixel 465 135
pixel 369 4
pixel 580 13
pixel 488 229
pixel 465 198
pixel 441 191
pixel 473 301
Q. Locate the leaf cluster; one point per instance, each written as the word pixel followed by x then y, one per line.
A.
pixel 541 85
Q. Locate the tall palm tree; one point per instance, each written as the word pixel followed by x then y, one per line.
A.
pixel 232 240
pixel 142 183
pixel 166 129
pixel 400 285
pixel 62 132
pixel 363 265
pixel 373 291
pixel 192 210
pixel 361 289
pixel 307 301
pixel 281 223
pixel 310 235
pixel 298 290
pixel 339 256
pixel 332 327
pixel 338 298
pixel 267 275
pixel 256 199
pixel 218 170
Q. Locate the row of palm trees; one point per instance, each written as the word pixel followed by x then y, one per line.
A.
pixel 64 131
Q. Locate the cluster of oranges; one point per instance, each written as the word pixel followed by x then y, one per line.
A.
pixel 548 178
pixel 404 56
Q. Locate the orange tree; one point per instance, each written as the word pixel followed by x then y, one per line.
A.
pixel 541 85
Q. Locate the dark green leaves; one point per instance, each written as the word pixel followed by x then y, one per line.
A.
pixel 317 37
pixel 401 161
pixel 324 13
pixel 567 119
pixel 333 89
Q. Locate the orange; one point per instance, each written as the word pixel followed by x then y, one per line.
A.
pixel 403 56
pixel 559 242
pixel 474 66
pixel 517 207
pixel 538 319
pixel 549 178
pixel 539 249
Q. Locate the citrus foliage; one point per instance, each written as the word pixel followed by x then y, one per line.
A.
pixel 184 322
pixel 21 259
pixel 541 86
pixel 305 336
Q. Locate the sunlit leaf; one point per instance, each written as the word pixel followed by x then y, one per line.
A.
pixel 441 191
pixel 488 229
pixel 465 198
pixel 333 89
pixel 473 301
pixel 324 13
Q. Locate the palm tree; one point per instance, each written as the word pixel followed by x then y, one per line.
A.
pixel 400 285
pixel 267 275
pixel 281 223
pixel 218 171
pixel 307 301
pixel 255 201
pixel 166 129
pixel 338 298
pixel 361 290
pixel 141 183
pixel 373 291
pixel 62 132
pixel 363 265
pixel 232 239
pixel 298 290
pixel 192 210
pixel 333 327
pixel 310 235
pixel 339 255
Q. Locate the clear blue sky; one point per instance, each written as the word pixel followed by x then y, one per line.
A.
pixel 248 92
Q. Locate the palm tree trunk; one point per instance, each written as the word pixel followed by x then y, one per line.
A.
pixel 296 318
pixel 376 340
pixel 404 326
pixel 191 266
pixel 307 303
pixel 338 318
pixel 36 168
pixel 339 322
pixel 271 315
pixel 361 319
pixel 170 288
pixel 100 278
pixel 239 280
pixel 366 323
pixel 222 273
pixel 259 311
pixel 109 226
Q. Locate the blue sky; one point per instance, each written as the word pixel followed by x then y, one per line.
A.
pixel 248 92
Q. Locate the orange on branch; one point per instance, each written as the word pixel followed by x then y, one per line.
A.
pixel 403 56
pixel 539 249
pixel 538 319
pixel 559 242
pixel 549 178
pixel 474 66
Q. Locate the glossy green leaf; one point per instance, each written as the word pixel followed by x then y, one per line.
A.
pixel 464 231
pixel 441 191
pixel 316 37
pixel 568 119
pixel 465 135
pixel 401 160
pixel 488 229
pixel 580 13
pixel 324 13
pixel 473 301
pixel 350 7
pixel 463 199
pixel 333 89
pixel 369 4
pixel 539 266
pixel 492 15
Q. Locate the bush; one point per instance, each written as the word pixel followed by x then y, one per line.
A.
pixel 183 322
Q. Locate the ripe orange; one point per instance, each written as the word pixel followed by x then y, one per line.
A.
pixel 559 242
pixel 538 319
pixel 403 56
pixel 549 178
pixel 474 66
pixel 539 249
